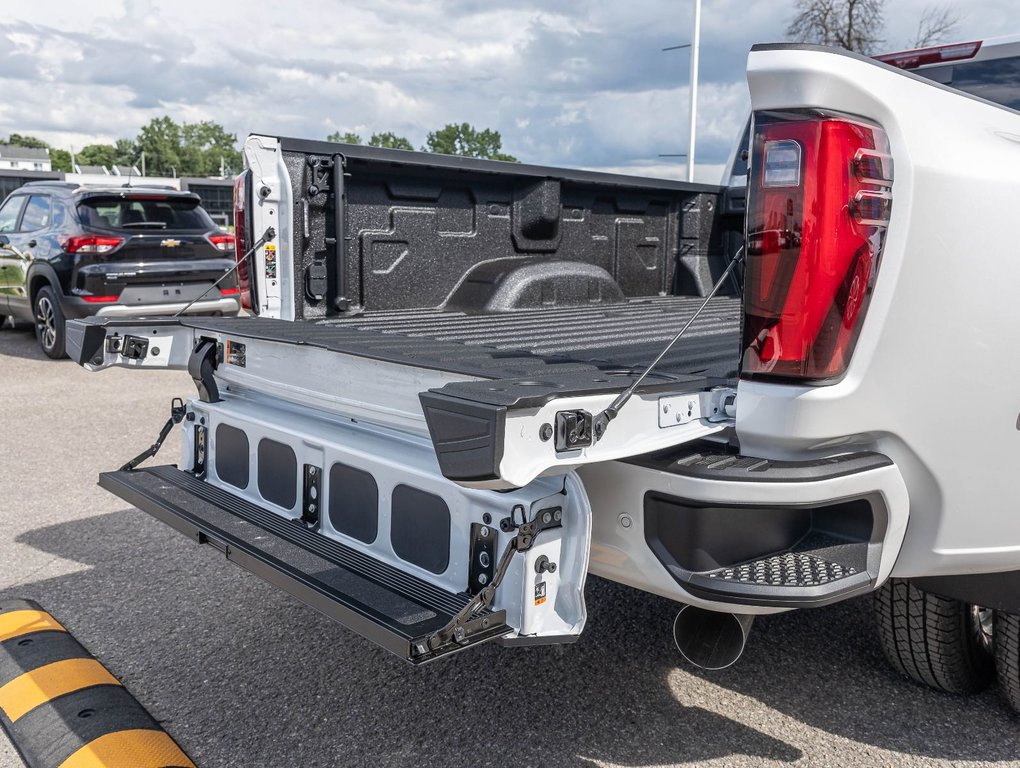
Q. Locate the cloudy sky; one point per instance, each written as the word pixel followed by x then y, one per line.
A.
pixel 581 84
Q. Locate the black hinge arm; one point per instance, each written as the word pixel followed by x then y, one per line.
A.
pixel 177 411
pixel 524 540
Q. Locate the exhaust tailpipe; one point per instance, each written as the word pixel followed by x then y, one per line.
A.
pixel 710 639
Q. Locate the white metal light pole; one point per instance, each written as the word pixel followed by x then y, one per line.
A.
pixel 695 52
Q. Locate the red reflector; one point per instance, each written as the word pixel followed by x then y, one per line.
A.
pixel 230 291
pixel 100 299
pixel 240 236
pixel 91 244
pixel 933 55
pixel 223 241
pixel 819 200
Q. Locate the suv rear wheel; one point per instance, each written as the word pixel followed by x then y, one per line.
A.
pixel 944 644
pixel 49 323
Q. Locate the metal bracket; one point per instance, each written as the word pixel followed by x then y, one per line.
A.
pixel 482 562
pixel 311 498
pixel 464 624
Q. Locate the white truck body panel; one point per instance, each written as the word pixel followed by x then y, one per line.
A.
pixel 930 383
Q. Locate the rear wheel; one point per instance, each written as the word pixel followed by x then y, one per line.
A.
pixel 49 323
pixel 1007 657
pixel 944 644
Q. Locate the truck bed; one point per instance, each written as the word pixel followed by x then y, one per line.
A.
pixel 620 338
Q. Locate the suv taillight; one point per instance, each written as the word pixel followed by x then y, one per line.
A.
pixel 223 241
pixel 241 235
pixel 91 244
pixel 819 196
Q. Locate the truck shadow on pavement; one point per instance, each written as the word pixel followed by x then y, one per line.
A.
pixel 20 342
pixel 243 675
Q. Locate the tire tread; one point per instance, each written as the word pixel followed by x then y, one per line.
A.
pixel 927 638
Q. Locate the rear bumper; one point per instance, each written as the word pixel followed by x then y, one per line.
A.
pixel 221 306
pixel 739 533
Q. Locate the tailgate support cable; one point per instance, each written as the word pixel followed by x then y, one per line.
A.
pixel 601 422
pixel 177 411
pixel 267 237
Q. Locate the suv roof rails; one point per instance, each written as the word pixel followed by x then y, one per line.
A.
pixel 52 183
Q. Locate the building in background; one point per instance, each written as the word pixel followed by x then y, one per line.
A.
pixel 14 158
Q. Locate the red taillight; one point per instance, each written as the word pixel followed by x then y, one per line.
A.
pixel 240 235
pixel 223 241
pixel 230 291
pixel 99 299
pixel 818 207
pixel 934 55
pixel 91 244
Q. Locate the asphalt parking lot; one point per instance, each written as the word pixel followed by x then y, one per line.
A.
pixel 242 675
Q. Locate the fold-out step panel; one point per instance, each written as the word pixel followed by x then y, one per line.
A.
pixel 378 601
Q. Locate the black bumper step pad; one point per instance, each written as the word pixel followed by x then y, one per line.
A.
pixel 390 607
pixel 821 569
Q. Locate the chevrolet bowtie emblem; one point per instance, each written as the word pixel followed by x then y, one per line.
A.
pixel 170 243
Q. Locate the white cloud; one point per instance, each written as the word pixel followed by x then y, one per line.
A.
pixel 566 83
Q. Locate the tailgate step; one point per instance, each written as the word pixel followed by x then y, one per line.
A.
pixel 383 604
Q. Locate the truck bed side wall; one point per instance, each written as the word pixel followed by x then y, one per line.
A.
pixel 414 226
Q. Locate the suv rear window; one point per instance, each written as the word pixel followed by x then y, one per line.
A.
pixel 179 214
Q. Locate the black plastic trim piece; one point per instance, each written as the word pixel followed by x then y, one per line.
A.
pixel 301 562
pixel 277 474
pixel 707 461
pixel 231 456
pixel 1000 591
pixel 420 528
pixel 84 342
pixel 840 535
pixel 467 436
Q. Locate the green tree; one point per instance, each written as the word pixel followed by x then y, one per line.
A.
pixel 187 149
pixel 60 160
pixel 465 140
pixel 344 138
pixel 207 149
pixel 19 140
pixel 97 154
pixel 160 140
pixel 389 140
pixel 126 152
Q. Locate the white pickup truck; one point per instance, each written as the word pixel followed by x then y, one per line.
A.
pixel 442 416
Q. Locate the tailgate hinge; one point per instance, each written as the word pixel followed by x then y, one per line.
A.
pixel 466 623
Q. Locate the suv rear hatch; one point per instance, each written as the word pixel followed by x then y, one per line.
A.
pixel 148 247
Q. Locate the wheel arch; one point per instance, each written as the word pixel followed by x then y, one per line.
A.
pixel 40 275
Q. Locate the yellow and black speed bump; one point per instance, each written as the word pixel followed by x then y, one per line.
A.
pixel 63 709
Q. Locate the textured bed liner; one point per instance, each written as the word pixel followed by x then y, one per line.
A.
pixel 619 338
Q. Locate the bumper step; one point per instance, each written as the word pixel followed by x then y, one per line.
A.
pixel 394 609
pixel 818 570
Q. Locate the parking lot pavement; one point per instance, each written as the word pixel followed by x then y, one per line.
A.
pixel 241 675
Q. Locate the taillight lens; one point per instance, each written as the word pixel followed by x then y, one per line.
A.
pixel 819 197
pixel 223 241
pixel 241 235
pixel 100 299
pixel 91 244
